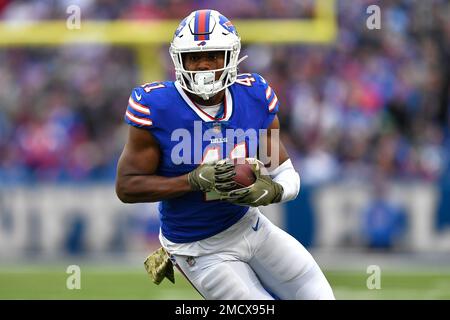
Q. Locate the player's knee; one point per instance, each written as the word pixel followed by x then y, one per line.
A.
pixel 285 265
pixel 314 286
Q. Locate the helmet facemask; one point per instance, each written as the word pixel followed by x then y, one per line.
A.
pixel 204 83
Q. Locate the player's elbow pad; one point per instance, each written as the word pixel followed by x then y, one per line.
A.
pixel 289 179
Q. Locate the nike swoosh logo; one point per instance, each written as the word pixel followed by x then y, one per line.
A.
pixel 255 228
pixel 262 196
pixel 203 178
pixel 137 97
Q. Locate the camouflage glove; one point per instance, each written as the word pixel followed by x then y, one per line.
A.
pixel 159 266
pixel 223 176
pixel 262 192
pixel 202 177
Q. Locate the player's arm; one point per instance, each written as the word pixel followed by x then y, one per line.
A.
pixel 136 180
pixel 266 144
pixel 285 173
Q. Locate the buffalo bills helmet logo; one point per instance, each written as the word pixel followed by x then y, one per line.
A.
pixel 180 27
pixel 227 24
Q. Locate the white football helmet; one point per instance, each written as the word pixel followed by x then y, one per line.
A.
pixel 206 30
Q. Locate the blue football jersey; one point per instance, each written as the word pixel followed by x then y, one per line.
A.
pixel 188 136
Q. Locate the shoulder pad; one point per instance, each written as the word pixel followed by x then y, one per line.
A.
pixel 263 90
pixel 138 111
pixel 148 102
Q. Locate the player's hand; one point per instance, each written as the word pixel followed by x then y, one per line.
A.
pixel 202 177
pixel 223 175
pixel 262 192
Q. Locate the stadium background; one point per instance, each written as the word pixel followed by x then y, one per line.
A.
pixel 364 114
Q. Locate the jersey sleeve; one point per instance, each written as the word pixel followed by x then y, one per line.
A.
pixel 269 98
pixel 138 112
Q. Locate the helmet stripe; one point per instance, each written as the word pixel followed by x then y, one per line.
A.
pixel 196 25
pixel 201 25
pixel 207 17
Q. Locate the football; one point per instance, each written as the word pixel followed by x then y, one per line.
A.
pixel 244 175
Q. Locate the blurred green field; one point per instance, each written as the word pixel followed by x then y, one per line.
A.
pixel 127 283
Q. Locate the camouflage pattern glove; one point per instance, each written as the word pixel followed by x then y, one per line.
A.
pixel 262 192
pixel 223 175
pixel 159 266
pixel 202 178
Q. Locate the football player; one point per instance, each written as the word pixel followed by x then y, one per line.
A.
pixel 213 232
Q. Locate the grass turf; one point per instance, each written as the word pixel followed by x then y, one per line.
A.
pixel 42 282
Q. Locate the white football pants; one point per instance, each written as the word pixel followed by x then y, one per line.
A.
pixel 251 260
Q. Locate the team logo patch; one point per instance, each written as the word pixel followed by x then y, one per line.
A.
pixel 227 24
pixel 180 27
pixel 190 261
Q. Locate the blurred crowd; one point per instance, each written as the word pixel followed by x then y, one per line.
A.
pixel 373 102
pixel 154 9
